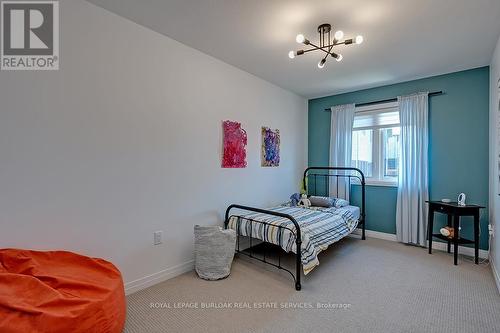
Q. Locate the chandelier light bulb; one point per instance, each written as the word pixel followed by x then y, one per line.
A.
pixel 300 38
pixel 339 57
pixel 291 54
pixel 359 39
pixel 339 35
pixel 322 62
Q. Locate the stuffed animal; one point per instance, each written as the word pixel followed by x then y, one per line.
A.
pixel 447 232
pixel 294 199
pixel 304 202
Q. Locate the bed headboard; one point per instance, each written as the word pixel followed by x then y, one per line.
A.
pixel 332 181
pixel 336 181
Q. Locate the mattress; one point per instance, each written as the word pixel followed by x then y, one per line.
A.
pixel 351 212
pixel 320 227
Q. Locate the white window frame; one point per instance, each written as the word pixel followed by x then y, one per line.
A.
pixel 378 155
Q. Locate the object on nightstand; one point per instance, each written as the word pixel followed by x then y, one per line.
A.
pixel 461 199
pixel 447 232
pixel 446 200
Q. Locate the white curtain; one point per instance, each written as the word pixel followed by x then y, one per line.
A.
pixel 413 189
pixel 341 145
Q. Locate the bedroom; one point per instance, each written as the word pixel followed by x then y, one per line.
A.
pixel 122 146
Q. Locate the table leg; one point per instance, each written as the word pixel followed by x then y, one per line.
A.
pixel 456 226
pixel 430 226
pixel 449 225
pixel 476 238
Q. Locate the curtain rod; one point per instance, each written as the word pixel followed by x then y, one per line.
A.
pixel 434 93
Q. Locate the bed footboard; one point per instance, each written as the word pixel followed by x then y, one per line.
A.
pixel 296 232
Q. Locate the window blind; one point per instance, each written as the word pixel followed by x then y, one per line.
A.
pixel 381 118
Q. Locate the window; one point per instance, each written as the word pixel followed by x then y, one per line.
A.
pixel 375 143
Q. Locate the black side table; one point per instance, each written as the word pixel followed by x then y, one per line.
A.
pixel 454 211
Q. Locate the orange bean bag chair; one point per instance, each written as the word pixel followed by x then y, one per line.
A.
pixel 59 291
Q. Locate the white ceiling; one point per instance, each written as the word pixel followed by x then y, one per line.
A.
pixel 404 39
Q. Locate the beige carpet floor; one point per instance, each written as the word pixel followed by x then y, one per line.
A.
pixel 382 286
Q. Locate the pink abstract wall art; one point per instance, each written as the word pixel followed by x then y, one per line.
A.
pixel 234 143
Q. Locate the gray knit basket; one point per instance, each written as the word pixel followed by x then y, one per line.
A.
pixel 214 251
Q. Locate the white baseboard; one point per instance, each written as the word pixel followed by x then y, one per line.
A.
pixel 496 274
pixel 440 246
pixel 376 234
pixel 166 274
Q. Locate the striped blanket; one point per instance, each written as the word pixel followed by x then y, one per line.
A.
pixel 319 229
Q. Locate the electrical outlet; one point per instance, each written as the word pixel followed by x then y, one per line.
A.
pixel 157 237
pixel 491 230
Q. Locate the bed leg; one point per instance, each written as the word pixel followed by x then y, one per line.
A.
pixel 298 265
pixel 363 231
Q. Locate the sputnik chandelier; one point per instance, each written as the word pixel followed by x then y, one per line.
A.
pixel 326 44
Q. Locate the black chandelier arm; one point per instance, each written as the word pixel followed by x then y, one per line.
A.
pixel 329 52
pixel 317 48
pixel 346 42
pixel 329 47
pixel 323 61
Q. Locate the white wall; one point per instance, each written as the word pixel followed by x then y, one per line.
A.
pixel 125 139
pixel 494 161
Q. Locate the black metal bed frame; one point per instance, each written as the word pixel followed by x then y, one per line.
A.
pixel 345 172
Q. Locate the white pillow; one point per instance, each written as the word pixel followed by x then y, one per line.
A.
pixel 339 203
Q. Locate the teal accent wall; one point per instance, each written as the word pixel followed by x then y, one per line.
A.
pixel 458 144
